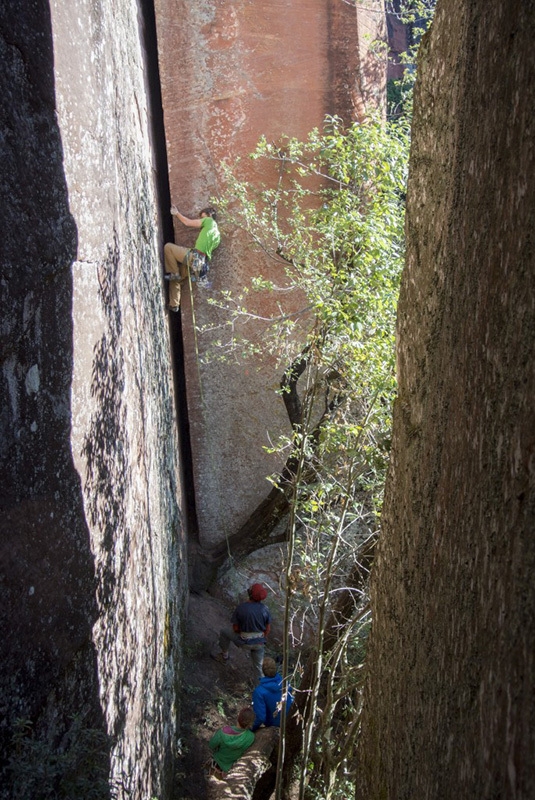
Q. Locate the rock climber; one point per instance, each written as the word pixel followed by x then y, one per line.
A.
pixel 229 743
pixel 178 260
pixel 267 697
pixel 251 623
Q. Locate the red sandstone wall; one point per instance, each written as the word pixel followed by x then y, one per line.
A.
pixel 231 72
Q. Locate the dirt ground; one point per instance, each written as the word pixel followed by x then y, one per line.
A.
pixel 211 693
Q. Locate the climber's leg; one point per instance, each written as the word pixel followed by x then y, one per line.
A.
pixel 174 257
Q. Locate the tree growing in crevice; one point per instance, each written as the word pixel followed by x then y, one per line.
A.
pixel 331 217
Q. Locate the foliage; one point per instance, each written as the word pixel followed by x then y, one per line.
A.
pixel 333 220
pixel 416 16
pixel 77 768
pixel 330 218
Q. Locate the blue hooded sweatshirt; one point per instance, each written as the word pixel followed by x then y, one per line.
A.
pixel 266 701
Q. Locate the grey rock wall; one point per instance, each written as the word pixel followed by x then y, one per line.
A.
pixel 92 565
pixel 450 706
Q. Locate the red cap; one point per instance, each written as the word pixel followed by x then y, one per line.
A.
pixel 257 592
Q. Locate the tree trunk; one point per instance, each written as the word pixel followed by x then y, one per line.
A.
pixel 257 531
pixel 341 613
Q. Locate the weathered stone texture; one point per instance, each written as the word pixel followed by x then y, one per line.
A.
pixel 92 543
pixel 231 72
pixel 450 706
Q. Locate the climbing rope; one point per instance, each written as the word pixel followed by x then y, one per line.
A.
pixel 197 356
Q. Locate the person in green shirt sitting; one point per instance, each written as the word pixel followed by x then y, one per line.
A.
pixel 229 743
pixel 179 259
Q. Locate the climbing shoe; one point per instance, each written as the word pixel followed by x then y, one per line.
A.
pixel 174 309
pixel 172 276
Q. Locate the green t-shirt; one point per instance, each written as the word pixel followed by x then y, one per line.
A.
pixel 229 747
pixel 209 236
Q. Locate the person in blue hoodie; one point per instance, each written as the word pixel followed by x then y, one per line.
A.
pixel 267 697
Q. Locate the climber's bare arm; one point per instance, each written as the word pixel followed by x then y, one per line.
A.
pixel 191 223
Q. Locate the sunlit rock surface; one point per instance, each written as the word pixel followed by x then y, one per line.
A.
pixel 91 533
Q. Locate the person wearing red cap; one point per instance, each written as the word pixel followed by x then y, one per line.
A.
pixel 251 622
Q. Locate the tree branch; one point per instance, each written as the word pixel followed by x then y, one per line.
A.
pixel 257 531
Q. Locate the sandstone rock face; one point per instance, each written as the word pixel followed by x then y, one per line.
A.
pixel 230 73
pixel 450 704
pixel 92 548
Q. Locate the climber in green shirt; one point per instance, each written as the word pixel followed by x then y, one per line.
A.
pixel 179 259
pixel 229 743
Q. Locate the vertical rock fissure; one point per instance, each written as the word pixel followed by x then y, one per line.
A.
pixel 150 44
